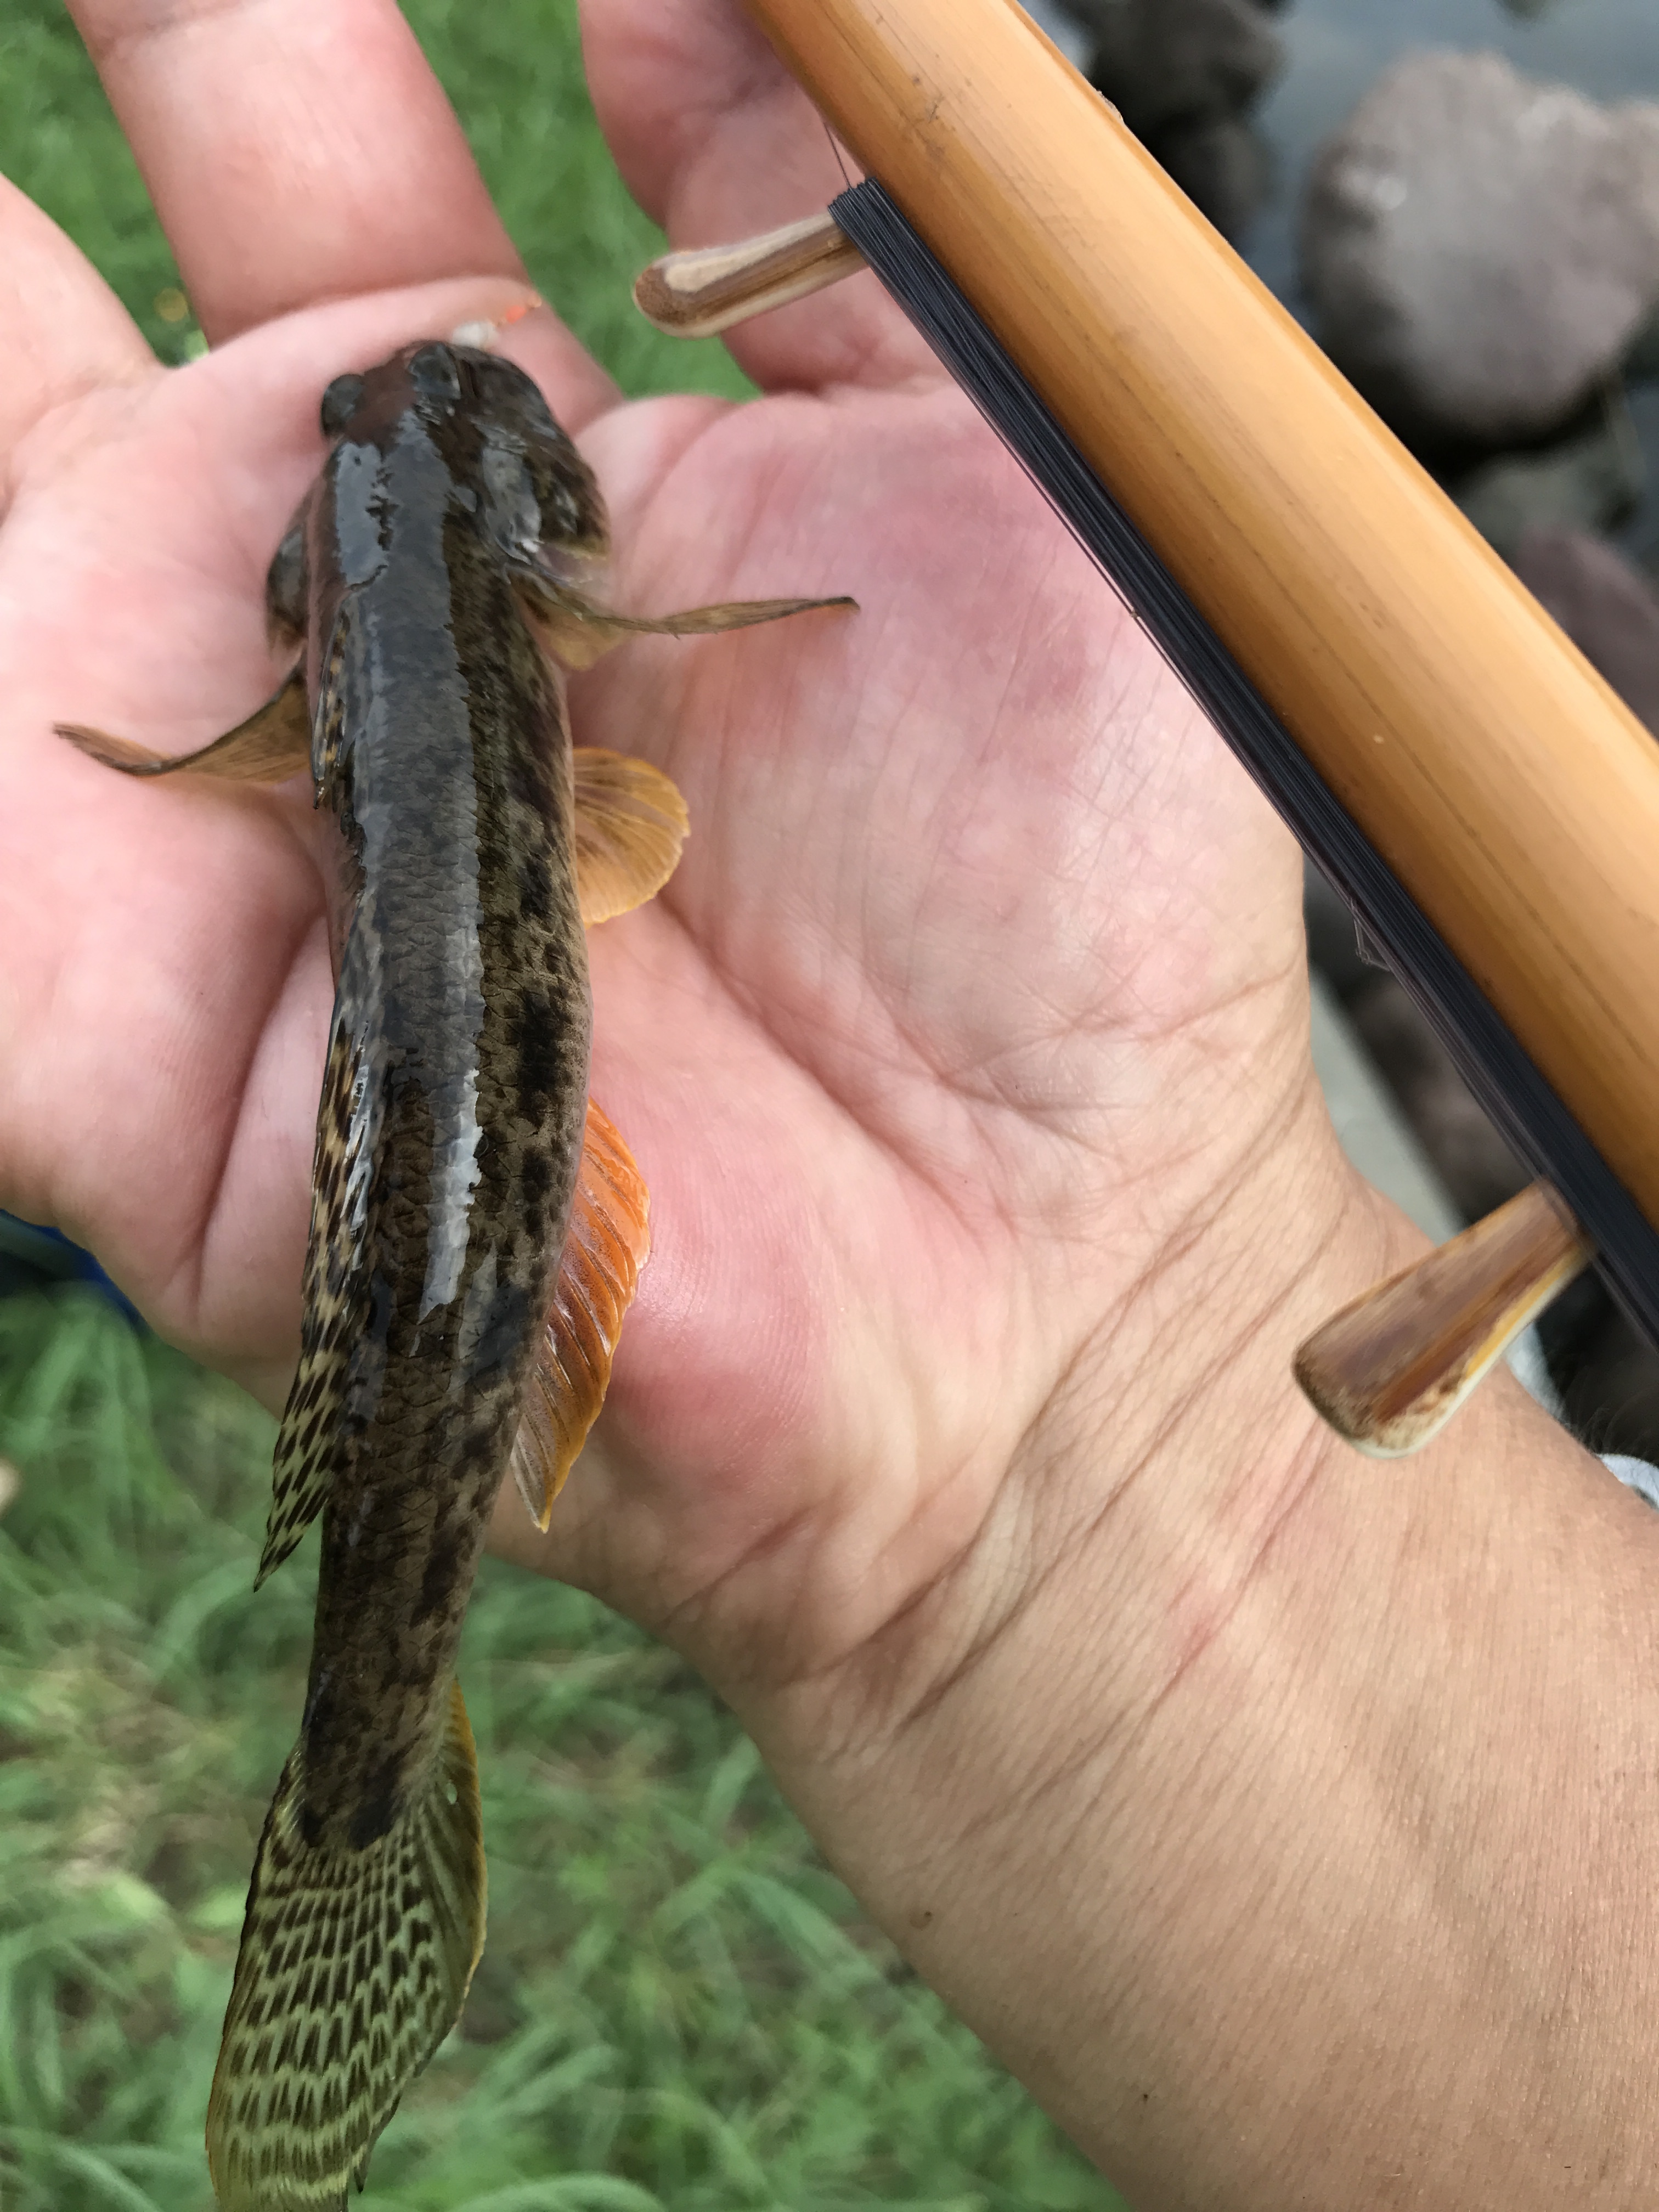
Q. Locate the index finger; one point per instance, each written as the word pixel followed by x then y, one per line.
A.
pixel 296 151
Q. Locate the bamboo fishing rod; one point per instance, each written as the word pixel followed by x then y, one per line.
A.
pixel 1486 803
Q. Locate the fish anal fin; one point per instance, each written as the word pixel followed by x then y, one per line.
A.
pixel 355 1965
pixel 630 824
pixel 274 742
pixel 578 633
pixel 309 1442
pixel 608 1243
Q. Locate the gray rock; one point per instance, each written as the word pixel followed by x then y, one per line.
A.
pixel 1612 1398
pixel 1472 1160
pixel 1224 167
pixel 1588 482
pixel 1642 361
pixel 1369 1125
pixel 1164 62
pixel 1607 608
pixel 1334 945
pixel 1061 25
pixel 1473 1163
pixel 1480 249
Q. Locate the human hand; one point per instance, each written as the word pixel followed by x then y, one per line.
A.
pixel 923 1050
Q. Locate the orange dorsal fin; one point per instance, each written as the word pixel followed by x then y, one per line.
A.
pixel 630 824
pixel 607 1244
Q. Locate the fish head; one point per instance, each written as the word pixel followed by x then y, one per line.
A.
pixel 542 501
pixel 425 379
pixel 537 498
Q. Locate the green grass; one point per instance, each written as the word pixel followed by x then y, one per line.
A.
pixel 512 69
pixel 678 2006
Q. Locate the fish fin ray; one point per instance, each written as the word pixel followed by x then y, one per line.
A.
pixel 578 633
pixel 315 2056
pixel 630 824
pixel 274 743
pixel 608 1243
pixel 308 1444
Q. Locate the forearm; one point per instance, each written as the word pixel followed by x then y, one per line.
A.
pixel 1283 1819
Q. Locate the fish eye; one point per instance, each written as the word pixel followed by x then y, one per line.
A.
pixel 434 373
pixel 340 403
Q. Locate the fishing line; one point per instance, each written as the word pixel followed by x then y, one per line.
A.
pixel 1523 1106
pixel 835 147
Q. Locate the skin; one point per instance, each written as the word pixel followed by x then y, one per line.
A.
pixel 1286 1824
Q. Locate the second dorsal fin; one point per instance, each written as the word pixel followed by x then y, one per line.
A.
pixel 311 1441
pixel 607 1244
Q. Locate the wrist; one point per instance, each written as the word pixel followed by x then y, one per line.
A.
pixel 1162 1462
pixel 1222 1786
pixel 1008 1730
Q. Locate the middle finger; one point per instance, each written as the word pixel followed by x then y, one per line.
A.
pixel 62 331
pixel 296 151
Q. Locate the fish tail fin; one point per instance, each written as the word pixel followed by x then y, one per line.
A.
pixel 354 1966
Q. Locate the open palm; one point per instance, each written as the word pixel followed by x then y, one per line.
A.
pixel 933 1052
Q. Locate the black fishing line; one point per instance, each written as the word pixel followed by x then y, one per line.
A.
pixel 1519 1101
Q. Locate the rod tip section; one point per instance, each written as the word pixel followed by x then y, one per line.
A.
pixel 695 295
pixel 1388 1372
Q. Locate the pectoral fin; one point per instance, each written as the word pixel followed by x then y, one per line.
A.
pixel 608 1244
pixel 579 633
pixel 630 824
pixel 273 742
